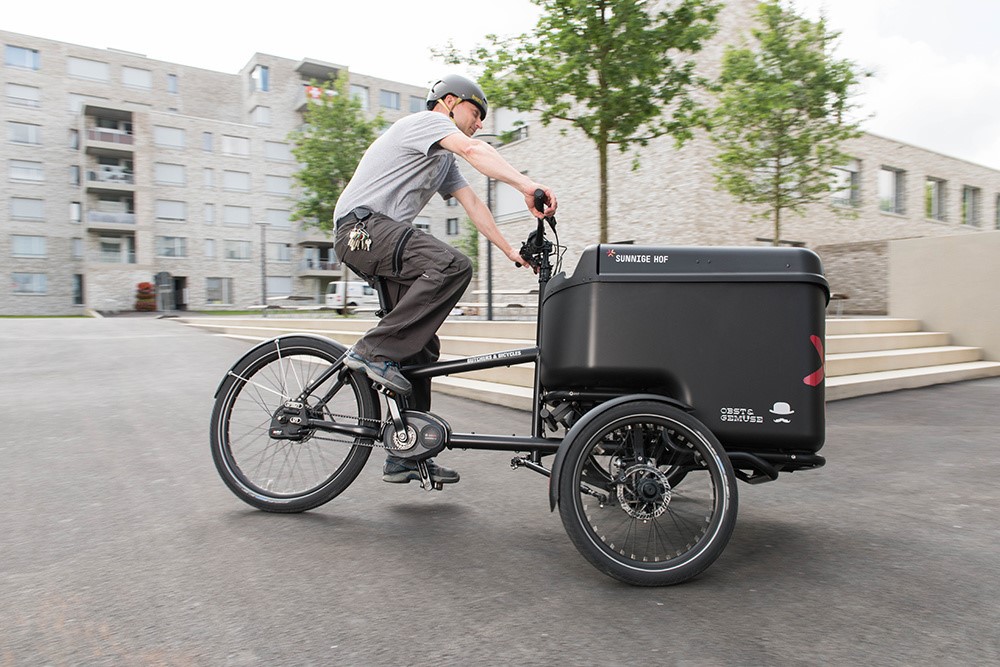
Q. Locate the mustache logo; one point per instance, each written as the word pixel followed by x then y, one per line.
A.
pixel 779 420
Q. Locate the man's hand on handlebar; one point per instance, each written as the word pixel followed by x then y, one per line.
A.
pixel 550 201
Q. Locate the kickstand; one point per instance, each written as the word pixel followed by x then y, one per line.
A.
pixel 425 478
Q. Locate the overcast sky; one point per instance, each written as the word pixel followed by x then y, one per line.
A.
pixel 936 62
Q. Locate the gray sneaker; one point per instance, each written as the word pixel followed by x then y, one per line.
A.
pixel 383 371
pixel 402 471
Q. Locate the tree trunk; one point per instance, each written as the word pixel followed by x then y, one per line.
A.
pixel 602 150
pixel 777 227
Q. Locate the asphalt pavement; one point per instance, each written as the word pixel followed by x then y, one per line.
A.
pixel 120 545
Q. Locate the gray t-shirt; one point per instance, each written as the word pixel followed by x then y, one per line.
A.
pixel 403 168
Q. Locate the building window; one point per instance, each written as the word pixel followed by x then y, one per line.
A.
pixel 279 252
pixel 209 214
pixel 846 185
pixel 172 83
pixel 117 250
pixel 24 133
pixel 970 205
pixel 360 93
pixel 277 185
pixel 934 190
pixel 208 177
pixel 236 180
pixel 27 246
pixel 277 150
pixel 423 223
pixel 171 211
pixel 261 115
pixel 417 104
pixel 206 142
pixel 219 291
pixel 27 209
pixel 76 248
pixel 26 170
pixel 452 228
pixel 137 78
pixel 75 212
pixel 168 137
pixel 77 289
pixel 18 56
pixel 388 99
pixel 209 248
pixel 891 197
pixel 236 216
pixel 171 246
pixel 74 139
pixel 25 96
pixel 30 283
pixel 451 201
pixel 237 249
pixel 279 285
pixel 279 218
pixel 260 79
pixel 168 174
pixel 88 69
pixel 235 145
pixel 74 174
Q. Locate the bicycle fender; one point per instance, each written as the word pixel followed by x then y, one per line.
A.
pixel 574 432
pixel 339 348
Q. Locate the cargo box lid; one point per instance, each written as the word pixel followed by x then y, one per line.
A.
pixel 631 263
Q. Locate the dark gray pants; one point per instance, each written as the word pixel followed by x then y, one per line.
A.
pixel 425 277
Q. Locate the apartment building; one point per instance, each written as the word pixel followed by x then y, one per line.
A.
pixel 120 169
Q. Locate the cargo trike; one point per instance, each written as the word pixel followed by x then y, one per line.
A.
pixel 661 376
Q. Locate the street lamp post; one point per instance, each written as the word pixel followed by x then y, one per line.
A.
pixel 263 265
pixel 495 141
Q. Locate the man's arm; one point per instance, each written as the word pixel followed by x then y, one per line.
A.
pixel 484 222
pixel 487 160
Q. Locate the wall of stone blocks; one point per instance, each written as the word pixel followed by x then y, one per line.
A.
pixel 859 271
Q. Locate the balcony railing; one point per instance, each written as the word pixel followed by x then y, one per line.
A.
pixel 113 218
pixel 119 257
pixel 111 176
pixel 109 136
pixel 318 265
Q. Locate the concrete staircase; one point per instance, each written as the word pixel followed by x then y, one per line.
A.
pixel 863 355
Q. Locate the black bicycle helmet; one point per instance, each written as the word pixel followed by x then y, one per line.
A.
pixel 460 87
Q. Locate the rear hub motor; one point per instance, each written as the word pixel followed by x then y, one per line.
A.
pixel 643 492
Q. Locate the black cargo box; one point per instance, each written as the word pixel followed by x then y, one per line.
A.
pixel 736 333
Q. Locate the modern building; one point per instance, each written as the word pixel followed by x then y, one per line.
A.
pixel 889 190
pixel 119 169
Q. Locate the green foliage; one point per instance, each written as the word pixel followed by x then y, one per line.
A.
pixel 329 146
pixel 468 243
pixel 608 67
pixel 782 114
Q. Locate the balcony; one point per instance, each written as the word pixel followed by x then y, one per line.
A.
pixel 112 257
pixel 319 268
pixel 99 221
pixel 110 143
pixel 110 178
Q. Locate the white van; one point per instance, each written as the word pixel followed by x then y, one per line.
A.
pixel 359 295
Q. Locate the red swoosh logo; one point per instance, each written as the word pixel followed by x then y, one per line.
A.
pixel 813 379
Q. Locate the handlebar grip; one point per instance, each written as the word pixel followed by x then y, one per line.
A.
pixel 540 201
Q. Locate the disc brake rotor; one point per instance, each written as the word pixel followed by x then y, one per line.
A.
pixel 643 492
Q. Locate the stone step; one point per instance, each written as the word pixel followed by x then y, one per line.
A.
pixel 864 384
pixel 889 360
pixel 869 325
pixel 848 343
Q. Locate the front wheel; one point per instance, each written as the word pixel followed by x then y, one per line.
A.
pixel 291 474
pixel 620 504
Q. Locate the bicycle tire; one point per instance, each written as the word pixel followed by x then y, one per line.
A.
pixel 278 475
pixel 642 530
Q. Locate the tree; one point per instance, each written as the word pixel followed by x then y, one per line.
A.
pixel 329 146
pixel 608 67
pixel 468 242
pixel 782 115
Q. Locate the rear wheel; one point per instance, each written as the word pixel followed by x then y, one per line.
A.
pixel 620 505
pixel 299 473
